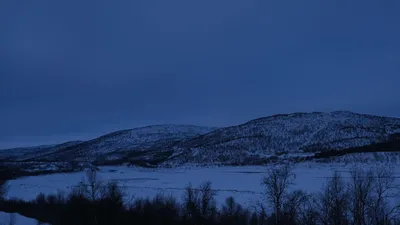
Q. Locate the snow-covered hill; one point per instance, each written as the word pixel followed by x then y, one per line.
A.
pixel 117 144
pixel 295 136
pixel 26 153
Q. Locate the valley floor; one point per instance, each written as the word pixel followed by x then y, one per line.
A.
pixel 243 183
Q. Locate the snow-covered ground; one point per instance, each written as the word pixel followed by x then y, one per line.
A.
pixel 17 218
pixel 243 183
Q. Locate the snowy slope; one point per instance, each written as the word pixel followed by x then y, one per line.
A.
pixel 296 136
pixel 117 144
pixel 14 153
pixel 17 219
pixel 19 154
pixel 300 134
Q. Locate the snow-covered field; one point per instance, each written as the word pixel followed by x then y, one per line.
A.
pixel 16 218
pixel 243 183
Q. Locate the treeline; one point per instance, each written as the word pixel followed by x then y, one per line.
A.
pixel 366 197
pixel 390 145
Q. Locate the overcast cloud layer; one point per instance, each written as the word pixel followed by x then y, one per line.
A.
pixel 76 69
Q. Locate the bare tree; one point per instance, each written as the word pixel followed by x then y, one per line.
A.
pixel 361 188
pixel 261 210
pixel 333 202
pixel 113 192
pixel 233 213
pixel 308 213
pixel 191 204
pixel 199 204
pixel 93 185
pixel 208 203
pixel 231 208
pixel 93 188
pixel 294 207
pixel 380 211
pixel 277 183
pixel 61 196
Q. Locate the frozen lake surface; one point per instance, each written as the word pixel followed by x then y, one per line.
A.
pixel 243 183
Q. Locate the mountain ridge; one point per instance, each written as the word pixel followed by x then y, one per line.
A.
pixel 256 141
pixel 287 133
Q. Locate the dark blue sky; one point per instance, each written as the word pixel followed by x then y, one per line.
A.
pixel 76 69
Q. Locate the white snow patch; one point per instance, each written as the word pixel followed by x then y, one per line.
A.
pixel 19 219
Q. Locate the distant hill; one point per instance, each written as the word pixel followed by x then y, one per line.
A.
pixel 305 136
pixel 20 154
pixel 296 135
